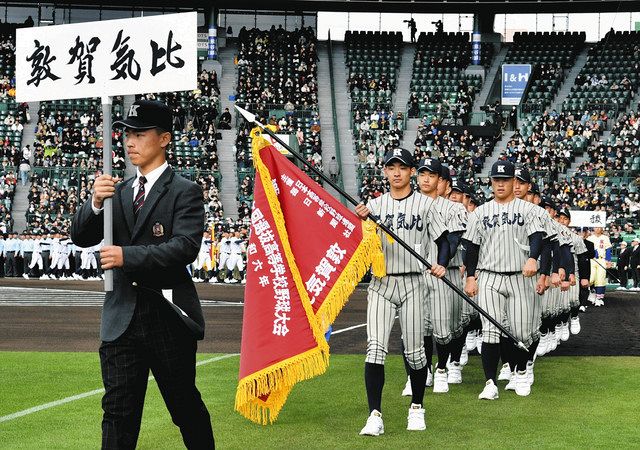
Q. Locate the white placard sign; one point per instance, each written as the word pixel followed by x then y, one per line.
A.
pixel 107 58
pixel 591 219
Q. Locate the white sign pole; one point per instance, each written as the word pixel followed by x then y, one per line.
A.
pixel 107 170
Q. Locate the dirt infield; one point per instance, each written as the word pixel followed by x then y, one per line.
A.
pixel 609 331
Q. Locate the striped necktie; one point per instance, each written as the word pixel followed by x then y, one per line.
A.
pixel 139 200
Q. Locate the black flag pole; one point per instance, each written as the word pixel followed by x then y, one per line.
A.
pixel 249 117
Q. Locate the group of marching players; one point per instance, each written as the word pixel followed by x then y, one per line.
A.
pixel 514 255
pixel 47 256
pixel 222 257
pixel 565 287
pixel 53 256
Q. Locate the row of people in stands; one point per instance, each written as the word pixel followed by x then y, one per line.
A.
pixel 277 67
pixel 8 183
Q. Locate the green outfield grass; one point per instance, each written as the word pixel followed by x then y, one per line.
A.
pixel 577 402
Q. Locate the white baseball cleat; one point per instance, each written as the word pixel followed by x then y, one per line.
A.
pixel 592 297
pixel 455 373
pixel 575 325
pixel 407 391
pixel 429 382
pixel 511 385
pixel 415 419
pixel 523 388
pixel 552 344
pixel 464 356
pixel 599 302
pixel 490 391
pixel 564 336
pixel 582 308
pixel 470 341
pixel 542 345
pixel 440 384
pixel 374 425
pixel 25 276
pixel 530 366
pixel 505 372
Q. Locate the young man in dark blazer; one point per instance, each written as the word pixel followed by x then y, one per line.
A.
pixel 623 265
pixel 152 319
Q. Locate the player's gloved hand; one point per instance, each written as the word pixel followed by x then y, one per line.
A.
pixel 541 285
pixel 471 287
pixel 562 274
pixel 555 280
pixel 437 270
pixel 572 280
pixel 584 283
pixel 530 268
pixel 564 286
pixel 362 211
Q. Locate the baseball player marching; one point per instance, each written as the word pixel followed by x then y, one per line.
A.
pixel 416 221
pixel 501 273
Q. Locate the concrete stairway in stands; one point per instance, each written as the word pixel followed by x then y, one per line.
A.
pixel 20 202
pixel 226 156
pixel 325 106
pixel 343 111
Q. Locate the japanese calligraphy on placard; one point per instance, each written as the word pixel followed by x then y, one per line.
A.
pixel 591 219
pixel 111 57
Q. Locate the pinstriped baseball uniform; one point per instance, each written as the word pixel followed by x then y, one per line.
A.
pixel 560 301
pixel 443 307
pixel 543 302
pixel 501 231
pixel 417 222
pixel 578 249
pixel 551 297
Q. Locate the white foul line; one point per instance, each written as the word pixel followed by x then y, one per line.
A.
pixel 73 398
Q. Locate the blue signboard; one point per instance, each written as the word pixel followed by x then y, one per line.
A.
pixel 514 81
pixel 213 43
pixel 476 48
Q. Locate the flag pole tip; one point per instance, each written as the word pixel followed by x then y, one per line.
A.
pixel 246 114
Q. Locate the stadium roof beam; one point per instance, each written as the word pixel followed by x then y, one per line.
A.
pixel 398 6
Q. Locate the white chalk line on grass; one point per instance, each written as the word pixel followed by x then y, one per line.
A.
pixel 73 398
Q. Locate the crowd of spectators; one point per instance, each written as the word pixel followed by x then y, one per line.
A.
pixel 620 200
pixel 551 144
pixel 620 153
pixel 277 67
pixel 8 181
pixel 461 151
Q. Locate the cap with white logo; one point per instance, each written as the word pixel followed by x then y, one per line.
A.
pixel 400 155
pixel 502 169
pixel 147 114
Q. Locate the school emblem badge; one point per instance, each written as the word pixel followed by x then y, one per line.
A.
pixel 158 229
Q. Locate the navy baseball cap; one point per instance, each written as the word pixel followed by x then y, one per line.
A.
pixel 468 190
pixel 522 174
pixel 147 114
pixel 445 173
pixel 430 164
pixel 534 189
pixel 475 200
pixel 458 185
pixel 546 202
pixel 399 154
pixel 564 212
pixel 503 169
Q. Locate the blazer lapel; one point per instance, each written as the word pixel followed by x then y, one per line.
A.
pixel 126 200
pixel 159 189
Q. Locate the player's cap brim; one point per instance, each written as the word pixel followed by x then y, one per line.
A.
pixel 428 169
pixel 502 176
pixel 397 159
pixel 133 123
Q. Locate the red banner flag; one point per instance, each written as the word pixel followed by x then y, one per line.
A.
pixel 306 254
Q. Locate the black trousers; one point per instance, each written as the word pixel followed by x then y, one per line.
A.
pixel 635 272
pixel 156 340
pixel 11 265
pixel 624 276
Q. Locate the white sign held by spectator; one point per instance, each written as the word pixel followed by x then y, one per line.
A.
pixel 591 219
pixel 107 58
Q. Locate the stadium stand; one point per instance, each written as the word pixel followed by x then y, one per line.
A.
pixel 439 86
pixel 551 54
pixel 609 78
